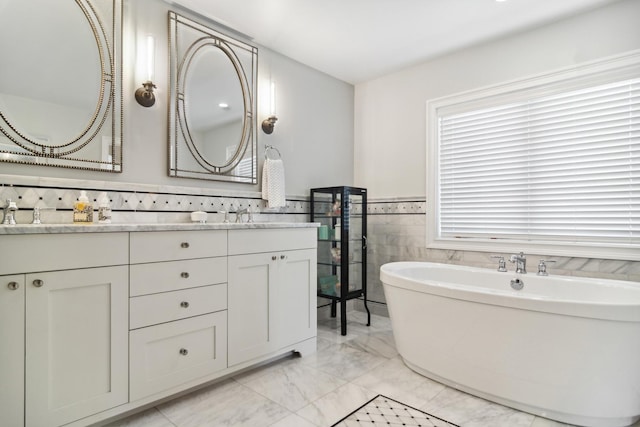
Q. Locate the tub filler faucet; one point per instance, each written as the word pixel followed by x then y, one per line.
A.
pixel 521 263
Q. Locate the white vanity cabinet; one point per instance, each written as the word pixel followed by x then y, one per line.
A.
pixel 272 291
pixel 73 326
pixel 94 324
pixel 178 304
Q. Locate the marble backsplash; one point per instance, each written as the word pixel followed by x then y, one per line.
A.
pixel 396 227
pixel 132 203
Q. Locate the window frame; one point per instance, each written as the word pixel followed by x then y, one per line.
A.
pixel 589 74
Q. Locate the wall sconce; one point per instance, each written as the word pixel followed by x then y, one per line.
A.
pixel 145 95
pixel 269 123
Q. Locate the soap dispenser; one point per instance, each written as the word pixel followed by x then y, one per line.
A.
pixel 82 209
pixel 104 209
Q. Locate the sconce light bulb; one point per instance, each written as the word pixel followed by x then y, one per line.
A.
pixel 144 95
pixel 150 58
pixel 272 95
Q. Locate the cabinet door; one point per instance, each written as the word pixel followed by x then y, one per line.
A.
pixel 76 343
pixel 272 302
pixel 294 316
pixel 250 291
pixel 12 354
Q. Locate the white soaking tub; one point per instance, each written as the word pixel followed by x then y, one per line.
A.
pixel 564 348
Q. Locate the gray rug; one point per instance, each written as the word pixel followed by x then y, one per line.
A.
pixel 384 411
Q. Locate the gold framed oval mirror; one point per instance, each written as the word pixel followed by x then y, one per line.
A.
pixel 60 84
pixel 211 114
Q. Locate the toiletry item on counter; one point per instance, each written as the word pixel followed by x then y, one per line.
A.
pixel 104 209
pixel 336 232
pixel 83 209
pixel 199 216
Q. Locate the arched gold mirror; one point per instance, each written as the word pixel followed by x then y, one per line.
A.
pixel 211 116
pixel 60 83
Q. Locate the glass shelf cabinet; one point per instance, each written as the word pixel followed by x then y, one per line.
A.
pixel 342 246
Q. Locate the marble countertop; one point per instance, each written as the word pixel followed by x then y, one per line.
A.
pixel 110 228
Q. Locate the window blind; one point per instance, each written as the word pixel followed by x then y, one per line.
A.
pixel 563 166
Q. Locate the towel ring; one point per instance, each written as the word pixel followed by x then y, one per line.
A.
pixel 268 148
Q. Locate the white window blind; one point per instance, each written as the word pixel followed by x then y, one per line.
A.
pixel 564 167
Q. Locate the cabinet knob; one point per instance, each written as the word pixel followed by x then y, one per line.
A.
pixel 184 304
pixel 184 245
pixel 273 258
pixel 13 285
pixel 283 257
pixel 184 351
pixel 38 283
pixel 184 275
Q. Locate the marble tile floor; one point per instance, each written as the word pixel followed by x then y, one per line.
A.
pixel 322 388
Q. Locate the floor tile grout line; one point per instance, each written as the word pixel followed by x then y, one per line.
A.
pixel 166 417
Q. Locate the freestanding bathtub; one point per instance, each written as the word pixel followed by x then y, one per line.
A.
pixel 563 348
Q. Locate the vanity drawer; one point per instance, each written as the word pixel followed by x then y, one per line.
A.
pixel 24 253
pixel 271 240
pixel 156 246
pixel 149 310
pixel 174 275
pixel 170 354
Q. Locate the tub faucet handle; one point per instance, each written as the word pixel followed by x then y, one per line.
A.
pixel 502 264
pixel 542 267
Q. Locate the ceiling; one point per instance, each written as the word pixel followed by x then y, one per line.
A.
pixel 360 40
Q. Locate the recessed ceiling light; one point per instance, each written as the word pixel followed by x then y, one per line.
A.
pixel 223 105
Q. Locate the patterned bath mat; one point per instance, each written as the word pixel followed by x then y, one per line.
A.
pixel 384 411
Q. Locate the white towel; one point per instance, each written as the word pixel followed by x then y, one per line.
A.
pixel 273 183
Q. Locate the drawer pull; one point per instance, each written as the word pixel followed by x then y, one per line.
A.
pixel 13 285
pixel 184 351
pixel 273 258
pixel 38 283
pixel 184 245
pixel 184 304
pixel 184 275
pixel 283 256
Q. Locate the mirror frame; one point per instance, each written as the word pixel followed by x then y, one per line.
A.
pixel 180 137
pixel 107 30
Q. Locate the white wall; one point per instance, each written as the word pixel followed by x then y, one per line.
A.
pixel 314 132
pixel 390 112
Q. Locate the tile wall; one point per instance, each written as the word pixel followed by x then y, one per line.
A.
pixel 397 232
pixel 141 203
pixel 396 227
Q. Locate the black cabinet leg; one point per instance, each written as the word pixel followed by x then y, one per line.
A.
pixel 343 317
pixel 368 312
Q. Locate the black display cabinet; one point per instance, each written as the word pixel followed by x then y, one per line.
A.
pixel 342 246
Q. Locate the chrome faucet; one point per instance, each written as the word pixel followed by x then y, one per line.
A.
pixel 36 214
pixel 10 213
pixel 521 262
pixel 241 212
